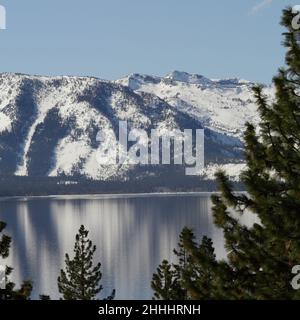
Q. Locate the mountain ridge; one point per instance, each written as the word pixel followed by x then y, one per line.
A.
pixel 48 125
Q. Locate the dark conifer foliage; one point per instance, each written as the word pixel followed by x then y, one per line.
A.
pixel 9 293
pixel 167 281
pixel 5 242
pixel 260 257
pixel 81 279
pixel 191 277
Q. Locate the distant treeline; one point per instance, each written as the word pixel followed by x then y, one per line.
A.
pixel 39 186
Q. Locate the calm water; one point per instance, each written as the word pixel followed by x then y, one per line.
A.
pixel 133 235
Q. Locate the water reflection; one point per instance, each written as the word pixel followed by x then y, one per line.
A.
pixel 133 235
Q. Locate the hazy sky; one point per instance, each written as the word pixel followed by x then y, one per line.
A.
pixel 112 38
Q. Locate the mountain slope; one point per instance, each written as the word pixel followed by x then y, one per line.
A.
pixel 49 125
pixel 221 105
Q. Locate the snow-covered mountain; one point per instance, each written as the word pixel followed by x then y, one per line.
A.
pixel 221 105
pixel 48 125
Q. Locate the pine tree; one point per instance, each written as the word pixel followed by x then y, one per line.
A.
pixel 9 293
pixel 81 280
pixel 165 283
pixel 260 257
pixel 199 276
pixel 5 242
pixel 189 278
pixel 184 265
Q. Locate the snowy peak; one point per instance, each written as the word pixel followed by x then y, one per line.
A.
pixel 222 105
pixel 233 82
pixel 49 125
pixel 188 78
pixel 137 81
pixel 181 76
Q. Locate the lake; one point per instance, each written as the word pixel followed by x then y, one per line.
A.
pixel 133 234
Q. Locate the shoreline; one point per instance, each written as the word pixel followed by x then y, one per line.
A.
pixel 104 196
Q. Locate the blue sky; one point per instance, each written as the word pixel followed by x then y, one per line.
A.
pixel 112 38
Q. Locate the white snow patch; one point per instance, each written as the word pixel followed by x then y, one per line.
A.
pixel 233 170
pixel 5 123
pixel 221 105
